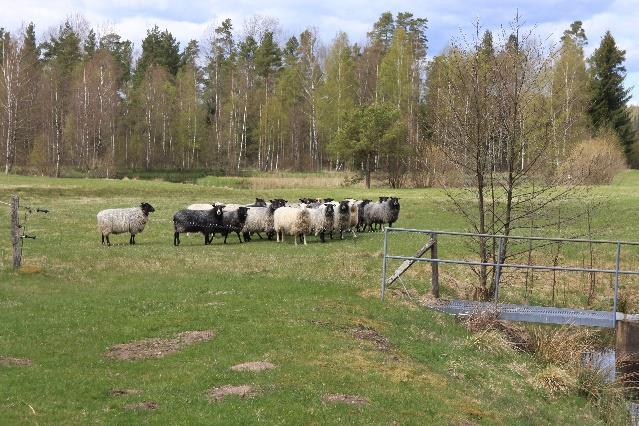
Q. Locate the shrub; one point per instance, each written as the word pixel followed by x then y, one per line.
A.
pixel 593 162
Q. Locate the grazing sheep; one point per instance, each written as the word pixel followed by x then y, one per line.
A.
pixel 260 219
pixel 322 218
pixel 204 221
pixel 233 221
pixel 294 221
pixel 119 221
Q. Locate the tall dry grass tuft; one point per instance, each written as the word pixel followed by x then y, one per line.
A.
pixel 562 346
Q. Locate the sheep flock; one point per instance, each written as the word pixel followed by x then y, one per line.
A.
pixel 272 220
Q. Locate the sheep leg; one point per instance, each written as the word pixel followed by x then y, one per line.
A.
pixel 108 242
pixel 238 236
pixel 295 238
pixel 322 237
pixel 304 237
pixel 102 239
pixel 132 239
pixel 225 237
pixel 176 238
pixel 247 237
pixel 354 234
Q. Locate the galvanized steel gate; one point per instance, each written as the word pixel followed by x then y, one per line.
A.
pixel 540 314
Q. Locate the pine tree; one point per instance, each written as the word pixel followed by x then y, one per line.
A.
pixel 609 98
pixel 90 44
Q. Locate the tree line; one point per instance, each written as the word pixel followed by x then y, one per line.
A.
pixel 248 100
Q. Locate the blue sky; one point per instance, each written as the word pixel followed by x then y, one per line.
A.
pixel 195 19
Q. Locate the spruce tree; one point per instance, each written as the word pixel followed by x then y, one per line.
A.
pixel 609 98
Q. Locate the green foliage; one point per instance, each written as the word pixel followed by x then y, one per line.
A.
pixel 158 48
pixel 63 49
pixel 268 57
pixel 122 52
pixel 609 98
pixel 90 44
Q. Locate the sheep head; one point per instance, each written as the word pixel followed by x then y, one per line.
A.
pixel 146 208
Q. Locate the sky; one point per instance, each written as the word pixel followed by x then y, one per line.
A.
pixel 188 19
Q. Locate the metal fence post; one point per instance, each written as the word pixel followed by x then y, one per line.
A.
pixel 500 249
pixel 15 233
pixel 434 265
pixel 384 262
pixel 616 296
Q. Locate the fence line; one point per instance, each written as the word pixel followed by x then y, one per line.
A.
pixel 434 259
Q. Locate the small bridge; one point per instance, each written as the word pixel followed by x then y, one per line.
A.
pixel 525 313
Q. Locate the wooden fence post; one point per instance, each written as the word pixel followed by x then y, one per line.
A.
pixel 15 232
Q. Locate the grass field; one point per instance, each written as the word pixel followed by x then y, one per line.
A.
pixel 312 311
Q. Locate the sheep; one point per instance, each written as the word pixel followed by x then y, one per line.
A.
pixel 204 221
pixel 393 211
pixel 322 218
pixel 294 221
pixel 260 219
pixel 233 221
pixel 381 212
pixel 354 211
pixel 377 226
pixel 204 206
pixel 360 213
pixel 342 218
pixel 119 221
pixel 259 202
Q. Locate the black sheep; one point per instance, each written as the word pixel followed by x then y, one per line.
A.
pixel 233 221
pixel 204 221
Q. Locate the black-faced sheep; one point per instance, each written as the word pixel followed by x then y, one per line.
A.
pixel 119 221
pixel 381 213
pixel 342 218
pixel 233 221
pixel 322 218
pixel 204 221
pixel 260 219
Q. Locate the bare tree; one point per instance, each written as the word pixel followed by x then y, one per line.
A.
pixel 494 107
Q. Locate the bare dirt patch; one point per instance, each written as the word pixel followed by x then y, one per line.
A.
pixel 344 399
pixel 145 405
pixel 253 366
pixel 157 348
pixel 7 360
pixel 243 391
pixel 362 332
pixel 123 392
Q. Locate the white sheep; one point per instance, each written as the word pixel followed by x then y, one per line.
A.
pixel 119 221
pixel 294 221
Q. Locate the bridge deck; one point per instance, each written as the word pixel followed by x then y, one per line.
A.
pixel 538 314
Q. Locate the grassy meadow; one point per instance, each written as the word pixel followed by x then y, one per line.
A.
pixel 312 311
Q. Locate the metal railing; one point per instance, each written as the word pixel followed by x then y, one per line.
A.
pixel 502 240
